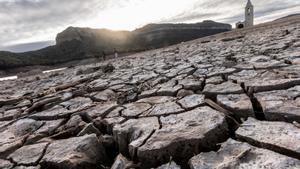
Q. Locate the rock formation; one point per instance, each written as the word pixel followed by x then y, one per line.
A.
pixel 227 101
pixel 81 43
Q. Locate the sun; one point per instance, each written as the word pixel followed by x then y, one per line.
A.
pixel 138 13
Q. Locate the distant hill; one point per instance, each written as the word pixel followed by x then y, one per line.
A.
pixel 160 35
pixel 289 16
pixel 24 47
pixel 80 43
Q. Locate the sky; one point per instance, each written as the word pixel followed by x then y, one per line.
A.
pixel 32 24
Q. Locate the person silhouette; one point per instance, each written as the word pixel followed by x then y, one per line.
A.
pixel 103 55
pixel 116 53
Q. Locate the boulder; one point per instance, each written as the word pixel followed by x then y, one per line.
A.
pixel 109 68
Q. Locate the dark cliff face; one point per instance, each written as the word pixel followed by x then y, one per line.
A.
pixel 79 43
pixel 160 35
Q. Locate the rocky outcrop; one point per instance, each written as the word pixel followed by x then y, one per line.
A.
pixel 95 41
pixel 230 103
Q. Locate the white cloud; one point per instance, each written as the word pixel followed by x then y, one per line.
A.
pixel 24 21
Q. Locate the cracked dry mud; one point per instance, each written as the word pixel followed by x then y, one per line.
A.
pixel 230 102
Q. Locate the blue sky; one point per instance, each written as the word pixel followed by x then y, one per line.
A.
pixel 32 24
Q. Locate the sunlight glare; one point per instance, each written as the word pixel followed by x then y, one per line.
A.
pixel 138 12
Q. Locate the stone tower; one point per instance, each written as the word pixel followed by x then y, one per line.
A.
pixel 249 14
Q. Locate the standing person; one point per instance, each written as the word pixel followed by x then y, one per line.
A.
pixel 103 55
pixel 116 53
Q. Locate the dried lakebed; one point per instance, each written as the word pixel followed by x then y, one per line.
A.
pixel 226 103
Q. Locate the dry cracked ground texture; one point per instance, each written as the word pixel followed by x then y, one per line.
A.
pixel 231 102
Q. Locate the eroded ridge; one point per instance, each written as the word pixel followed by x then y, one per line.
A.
pixel 226 102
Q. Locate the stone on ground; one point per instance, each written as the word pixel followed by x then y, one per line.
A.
pixel 122 162
pixel 13 137
pixel 29 155
pixel 276 136
pixel 183 135
pixel 234 154
pixel 163 109
pixel 223 88
pixel 192 101
pixel 281 105
pixel 240 104
pixel 27 167
pixel 170 165
pixel 78 152
pixel 135 109
pixel 133 133
pixel 5 164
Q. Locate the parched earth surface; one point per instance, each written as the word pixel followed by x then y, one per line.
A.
pixel 228 101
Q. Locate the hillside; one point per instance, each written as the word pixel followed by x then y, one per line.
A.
pixel 231 100
pixel 81 43
pixel 290 16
